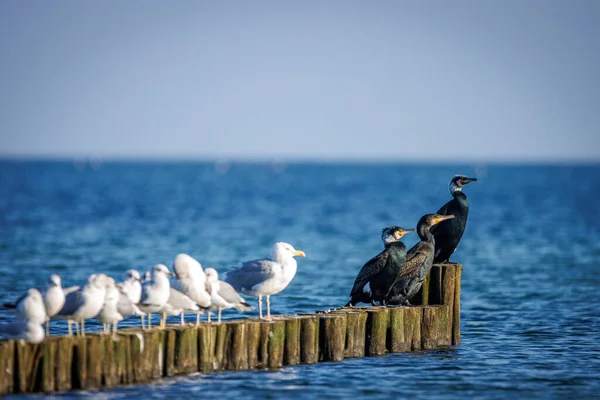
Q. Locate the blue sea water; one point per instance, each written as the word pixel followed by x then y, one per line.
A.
pixel 531 256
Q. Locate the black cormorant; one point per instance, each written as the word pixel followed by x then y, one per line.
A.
pixel 377 276
pixel 448 234
pixel 419 260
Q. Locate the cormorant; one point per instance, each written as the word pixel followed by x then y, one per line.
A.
pixel 377 276
pixel 448 234
pixel 419 260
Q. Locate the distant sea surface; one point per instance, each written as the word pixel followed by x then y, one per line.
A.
pixel 531 257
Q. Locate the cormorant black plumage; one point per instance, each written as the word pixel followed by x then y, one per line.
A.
pixel 447 235
pixel 377 276
pixel 419 260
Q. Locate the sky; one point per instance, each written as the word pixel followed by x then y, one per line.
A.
pixel 433 80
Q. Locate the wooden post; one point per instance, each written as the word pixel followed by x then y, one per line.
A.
pixel 63 365
pixel 7 365
pixel 309 339
pixel 397 341
pixel 356 321
pixel 292 341
pixel 94 360
pixel 412 326
pixel 332 337
pixel 47 376
pixel 253 328
pixel 186 350
pixel 435 330
pixel 376 329
pixel 27 366
pixel 236 346
pixel 272 343
pixel 456 306
pixel 211 346
pixel 448 291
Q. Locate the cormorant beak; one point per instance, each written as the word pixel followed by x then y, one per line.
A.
pixel 404 232
pixel 441 218
pixel 299 253
pixel 465 181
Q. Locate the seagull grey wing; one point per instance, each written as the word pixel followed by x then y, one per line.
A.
pixel 228 293
pixel 180 301
pixel 371 268
pixel 73 301
pixel 70 289
pixel 250 274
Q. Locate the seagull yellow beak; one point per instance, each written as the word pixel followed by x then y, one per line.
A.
pixel 299 253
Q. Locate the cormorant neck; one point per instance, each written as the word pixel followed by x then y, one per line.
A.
pixel 454 188
pixel 397 243
pixel 424 233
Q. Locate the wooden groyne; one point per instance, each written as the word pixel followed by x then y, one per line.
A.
pixel 62 363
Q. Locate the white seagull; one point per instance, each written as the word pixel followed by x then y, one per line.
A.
pixel 266 277
pixel 191 281
pixel 155 292
pixel 223 295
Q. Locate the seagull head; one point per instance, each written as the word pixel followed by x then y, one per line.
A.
pixel 54 281
pixel 161 269
pixel 283 251
pixel 132 275
pixel 211 275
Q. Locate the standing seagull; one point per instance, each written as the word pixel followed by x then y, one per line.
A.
pixel 155 292
pixel 419 260
pixel 448 234
pixel 30 306
pixel 223 295
pixel 266 277
pixel 191 281
pixel 132 287
pixel 177 304
pixel 28 330
pixel 85 303
pixel 377 276
pixel 109 314
pixel 54 298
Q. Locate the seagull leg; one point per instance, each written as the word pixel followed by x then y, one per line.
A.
pixel 77 331
pixel 142 318
pixel 219 320
pixel 269 307
pixel 48 328
pixel 209 316
pixel 260 307
pixel 115 327
pixel 197 319
pixel 83 327
pixel 149 321
pixel 182 322
pixel 69 327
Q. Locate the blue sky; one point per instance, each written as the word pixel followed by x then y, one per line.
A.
pixel 394 80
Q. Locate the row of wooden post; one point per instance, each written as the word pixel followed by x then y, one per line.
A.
pixel 134 356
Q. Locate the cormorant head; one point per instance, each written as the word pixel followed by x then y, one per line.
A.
pixel 394 234
pixel 458 181
pixel 429 220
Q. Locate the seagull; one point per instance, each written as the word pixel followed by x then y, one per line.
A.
pixel 223 295
pixel 266 277
pixel 191 281
pixel 155 292
pixel 177 304
pixel 84 303
pixel 30 307
pixel 109 314
pixel 54 298
pixel 132 286
pixel 29 330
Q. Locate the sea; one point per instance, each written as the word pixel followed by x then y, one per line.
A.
pixel 530 255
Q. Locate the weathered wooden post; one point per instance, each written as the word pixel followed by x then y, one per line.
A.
pixel 272 343
pixel 376 331
pixel 253 328
pixel 211 346
pixel 435 330
pixel 117 364
pixel 7 365
pixel 309 339
pixel 181 350
pixel 356 320
pixel 236 346
pixel 332 337
pixel 456 306
pixel 63 364
pixel 292 341
pixel 27 365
